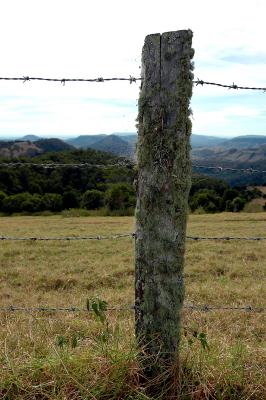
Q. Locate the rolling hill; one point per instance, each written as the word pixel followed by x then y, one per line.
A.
pixel 232 156
pixel 30 138
pixel 114 144
pixel 15 149
pixel 85 141
pixel 242 142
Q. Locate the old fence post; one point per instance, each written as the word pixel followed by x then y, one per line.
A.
pixel 163 183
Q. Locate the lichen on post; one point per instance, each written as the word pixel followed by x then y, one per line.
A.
pixel 163 183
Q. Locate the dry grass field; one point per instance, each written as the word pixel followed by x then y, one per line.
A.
pixel 64 355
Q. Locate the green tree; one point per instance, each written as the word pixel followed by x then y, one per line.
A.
pixel 92 199
pixel 206 199
pixel 238 204
pixel 230 194
pixel 2 197
pixel 52 202
pixel 70 199
pixel 32 203
pixel 15 202
pixel 120 196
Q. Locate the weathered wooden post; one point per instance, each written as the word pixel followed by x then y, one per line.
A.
pixel 163 183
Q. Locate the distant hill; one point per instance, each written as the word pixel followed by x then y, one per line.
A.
pixel 124 134
pixel 85 141
pixel 241 142
pixel 115 145
pixel 17 148
pixel 131 138
pixel 205 141
pixel 232 156
pixel 31 138
pixel 254 157
pixel 48 145
pixel 14 149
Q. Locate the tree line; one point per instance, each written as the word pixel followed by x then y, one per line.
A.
pixel 33 189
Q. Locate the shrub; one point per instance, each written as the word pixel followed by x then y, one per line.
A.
pixel 52 202
pixel 16 202
pixel 206 199
pixel 229 195
pixel 2 197
pixel 238 204
pixel 120 196
pixel 92 199
pixel 33 203
pixel 70 200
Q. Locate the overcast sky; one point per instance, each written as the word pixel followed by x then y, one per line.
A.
pixel 104 38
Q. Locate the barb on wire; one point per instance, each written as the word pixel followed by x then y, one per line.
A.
pixel 69 238
pixel 24 79
pixel 200 82
pixel 221 169
pixel 71 309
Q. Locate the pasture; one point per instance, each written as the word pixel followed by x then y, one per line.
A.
pixel 64 355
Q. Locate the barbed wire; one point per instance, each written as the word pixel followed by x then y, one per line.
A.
pixel 232 86
pixel 67 165
pixel 256 238
pixel 192 307
pixel 129 164
pixel 60 309
pixel 131 79
pixel 69 238
pixel 123 235
pixel 221 169
pixel 206 308
pixel 24 79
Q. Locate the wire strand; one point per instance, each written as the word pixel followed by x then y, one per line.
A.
pixel 72 309
pixel 128 164
pixel 124 235
pixel 131 79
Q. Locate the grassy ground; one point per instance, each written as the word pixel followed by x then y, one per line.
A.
pixel 75 356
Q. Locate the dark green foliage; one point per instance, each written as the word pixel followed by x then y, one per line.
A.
pixel 205 182
pixel 237 204
pixel 70 183
pixel 214 195
pixel 33 203
pixel 22 202
pixel 206 199
pixel 2 197
pixel 230 194
pixel 71 199
pixel 120 196
pixel 52 202
pixel 92 199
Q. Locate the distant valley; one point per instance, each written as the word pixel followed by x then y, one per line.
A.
pixel 247 151
pixel 124 144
